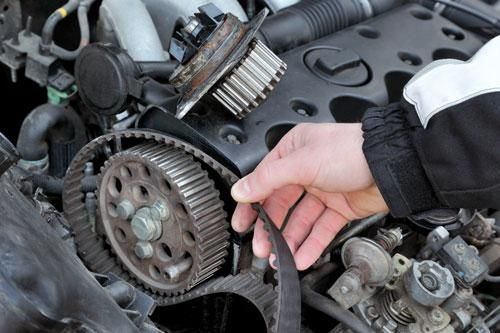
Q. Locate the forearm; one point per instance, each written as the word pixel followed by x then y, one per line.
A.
pixel 438 147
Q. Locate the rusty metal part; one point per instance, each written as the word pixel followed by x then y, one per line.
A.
pixel 189 239
pixel 214 60
pixel 96 255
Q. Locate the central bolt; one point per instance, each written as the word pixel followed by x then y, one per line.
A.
pixel 146 225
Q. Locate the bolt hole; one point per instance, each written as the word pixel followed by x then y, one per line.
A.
pixel 126 172
pixel 349 109
pixel 421 14
pixel 368 32
pixel 140 193
pixel 305 109
pixel 155 272
pixel 276 133
pixel 188 238
pixel 453 34
pixel 120 234
pixel 401 262
pixel 410 59
pixel 166 187
pixel 147 172
pixel 112 211
pixel 181 211
pixel 165 253
pixel 449 54
pixel 5 8
pixel 115 186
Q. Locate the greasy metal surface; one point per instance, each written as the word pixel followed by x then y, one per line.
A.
pixel 149 174
pixel 214 68
pixel 210 55
pixel 92 249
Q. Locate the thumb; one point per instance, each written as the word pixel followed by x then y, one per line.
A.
pixel 293 169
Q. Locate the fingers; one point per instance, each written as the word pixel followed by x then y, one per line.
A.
pixel 260 243
pixel 302 220
pixel 294 169
pixel 276 206
pixel 324 230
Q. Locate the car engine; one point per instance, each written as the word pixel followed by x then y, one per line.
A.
pixel 133 119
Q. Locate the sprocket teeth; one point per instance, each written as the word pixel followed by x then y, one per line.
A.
pixel 246 284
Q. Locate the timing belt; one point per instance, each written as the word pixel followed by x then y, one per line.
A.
pixel 280 306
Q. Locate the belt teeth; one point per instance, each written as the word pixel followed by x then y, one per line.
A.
pixel 251 81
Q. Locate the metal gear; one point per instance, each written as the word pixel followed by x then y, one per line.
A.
pixel 153 183
pixel 283 315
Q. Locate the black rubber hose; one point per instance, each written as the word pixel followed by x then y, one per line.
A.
pixel 327 306
pixel 469 14
pixel 32 142
pixel 158 69
pixel 54 19
pixel 309 20
pixel 50 185
pixel 356 228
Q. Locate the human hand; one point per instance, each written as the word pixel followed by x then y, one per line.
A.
pixel 325 161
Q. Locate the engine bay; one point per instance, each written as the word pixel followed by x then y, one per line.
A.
pixel 133 119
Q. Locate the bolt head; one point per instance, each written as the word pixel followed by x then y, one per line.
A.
pixel 125 210
pixel 192 25
pixel 143 227
pixel 436 316
pixel 460 248
pixel 144 250
pixel 162 210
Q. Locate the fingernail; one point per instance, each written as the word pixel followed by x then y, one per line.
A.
pixel 241 190
pixel 272 261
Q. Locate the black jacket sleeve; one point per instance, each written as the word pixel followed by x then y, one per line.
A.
pixel 440 147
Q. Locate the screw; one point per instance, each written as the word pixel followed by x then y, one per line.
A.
pixel 459 248
pixel 371 312
pixel 125 210
pixel 302 112
pixel 27 30
pixel 192 25
pixel 344 289
pixel 144 250
pixel 162 209
pixel 474 264
pixel 173 272
pixel 231 138
pixel 436 316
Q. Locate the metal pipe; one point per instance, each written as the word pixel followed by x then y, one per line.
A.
pixel 83 22
pixel 57 16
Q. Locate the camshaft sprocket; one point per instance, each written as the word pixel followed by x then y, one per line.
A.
pixel 279 305
pixel 191 239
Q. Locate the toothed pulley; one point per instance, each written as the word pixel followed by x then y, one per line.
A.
pixel 162 217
